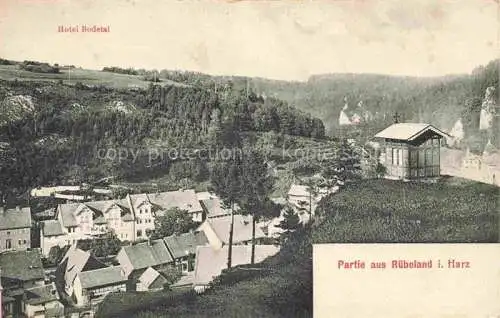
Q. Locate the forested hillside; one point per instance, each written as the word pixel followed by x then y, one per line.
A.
pixel 54 132
pixel 438 100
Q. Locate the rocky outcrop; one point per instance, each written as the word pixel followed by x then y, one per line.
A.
pixel 488 110
pixel 344 117
pixel 457 134
pixel 13 107
pixel 354 116
pixel 120 106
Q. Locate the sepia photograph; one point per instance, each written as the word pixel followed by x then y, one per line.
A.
pixel 180 158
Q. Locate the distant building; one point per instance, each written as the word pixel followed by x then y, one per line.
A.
pixel 94 285
pixel 15 229
pixel 299 197
pixel 210 262
pixel 412 151
pixel 217 231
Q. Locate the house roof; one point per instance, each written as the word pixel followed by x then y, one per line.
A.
pixel 52 228
pixel 408 131
pixel 186 243
pixel 67 216
pixel 75 260
pixel 298 190
pixel 41 294
pixel 210 262
pixel 242 230
pixel 182 199
pixel 144 255
pixel 150 277
pixel 22 265
pixel 70 210
pixel 215 208
pixel 204 195
pixel 102 277
pixel 185 280
pixel 100 220
pixel 279 200
pixel 137 199
pixel 15 218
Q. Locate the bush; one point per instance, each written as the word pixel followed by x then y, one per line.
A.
pixel 38 67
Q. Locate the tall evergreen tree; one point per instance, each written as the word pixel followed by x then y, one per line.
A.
pixel 257 187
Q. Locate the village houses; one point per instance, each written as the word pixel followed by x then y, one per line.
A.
pixel 15 229
pixel 93 285
pixel 182 248
pixel 75 261
pixel 131 218
pixel 43 301
pixel 136 259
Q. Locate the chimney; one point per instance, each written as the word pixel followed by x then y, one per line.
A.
pixel 18 208
pixel 2 210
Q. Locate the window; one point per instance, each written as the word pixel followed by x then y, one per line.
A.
pixel 413 158
pixel 421 158
pixel 435 157
pixel 20 242
pixel 139 233
pixel 8 233
pixel 428 157
pixel 8 243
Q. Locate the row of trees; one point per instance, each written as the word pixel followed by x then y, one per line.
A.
pixel 243 180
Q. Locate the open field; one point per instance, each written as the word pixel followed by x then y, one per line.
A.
pixel 87 77
pixel 453 210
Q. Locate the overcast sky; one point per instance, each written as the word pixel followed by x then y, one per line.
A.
pixel 277 39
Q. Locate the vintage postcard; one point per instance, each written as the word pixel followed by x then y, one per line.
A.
pixel 213 158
